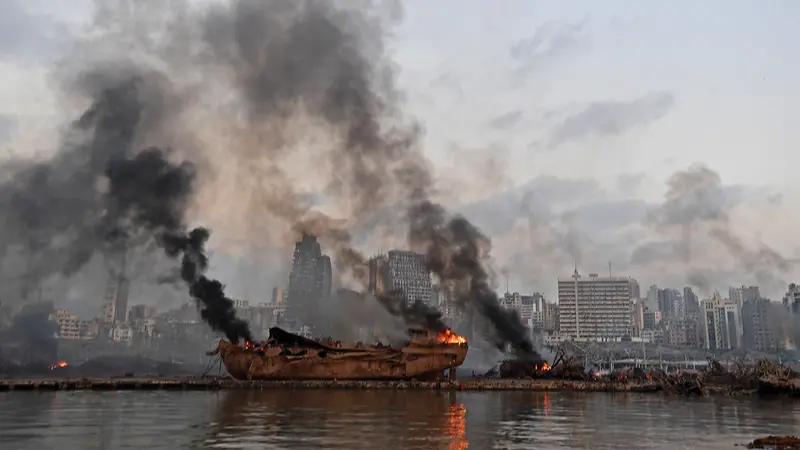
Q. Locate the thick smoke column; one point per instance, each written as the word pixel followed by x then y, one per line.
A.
pixel 281 79
pixel 215 308
pixel 151 193
pixel 99 193
pixel 292 61
pixel 416 314
pixel 456 251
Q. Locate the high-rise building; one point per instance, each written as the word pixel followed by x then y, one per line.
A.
pixel 637 315
pixel 758 329
pixel 309 283
pixel 277 296
pixel 444 297
pixel 529 307
pixel 635 290
pixel 532 309
pixel 651 320
pixel 551 322
pixel 792 299
pixel 68 325
pixel 739 295
pixel 651 300
pixel 324 278
pixel 671 305
pixel 692 303
pixel 720 324
pixel 595 308
pixel 378 273
pixel 408 271
pixel 141 312
pixel 115 301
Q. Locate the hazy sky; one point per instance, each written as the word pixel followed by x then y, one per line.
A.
pixel 595 104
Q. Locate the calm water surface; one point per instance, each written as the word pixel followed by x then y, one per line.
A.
pixel 383 420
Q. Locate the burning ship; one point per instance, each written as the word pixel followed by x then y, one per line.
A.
pixel 289 356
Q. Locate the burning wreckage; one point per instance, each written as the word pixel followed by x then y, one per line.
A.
pixel 289 356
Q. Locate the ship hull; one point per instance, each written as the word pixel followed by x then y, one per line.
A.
pixel 415 361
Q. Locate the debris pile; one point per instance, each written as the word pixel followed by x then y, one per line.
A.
pixel 763 377
pixel 777 443
pixel 685 383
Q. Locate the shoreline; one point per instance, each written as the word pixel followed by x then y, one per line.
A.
pixel 213 384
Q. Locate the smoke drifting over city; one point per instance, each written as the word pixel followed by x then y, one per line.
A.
pixel 297 72
pixel 233 115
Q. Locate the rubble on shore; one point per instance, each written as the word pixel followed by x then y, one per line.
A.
pixel 762 378
pixel 776 443
pixel 742 378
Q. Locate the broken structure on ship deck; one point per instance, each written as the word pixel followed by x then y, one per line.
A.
pixel 290 356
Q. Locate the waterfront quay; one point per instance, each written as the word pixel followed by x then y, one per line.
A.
pixel 214 383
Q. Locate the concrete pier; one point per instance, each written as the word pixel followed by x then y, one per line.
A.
pixel 476 384
pixel 211 383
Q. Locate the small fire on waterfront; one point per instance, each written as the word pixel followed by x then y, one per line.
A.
pixel 448 337
pixel 58 364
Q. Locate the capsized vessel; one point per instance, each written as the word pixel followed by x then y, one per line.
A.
pixel 287 356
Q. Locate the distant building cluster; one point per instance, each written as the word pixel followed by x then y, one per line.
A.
pixel 590 308
pixel 605 308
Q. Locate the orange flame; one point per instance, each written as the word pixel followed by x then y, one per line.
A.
pixel 545 367
pixel 58 364
pixel 448 337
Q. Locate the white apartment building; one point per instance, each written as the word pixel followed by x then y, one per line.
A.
pixel 720 322
pixel 595 308
pixel 531 308
pixel 121 333
pixel 69 327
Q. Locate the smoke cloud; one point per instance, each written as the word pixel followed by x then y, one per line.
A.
pixel 695 218
pixel 263 102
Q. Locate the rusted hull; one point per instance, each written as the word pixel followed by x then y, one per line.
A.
pixel 417 362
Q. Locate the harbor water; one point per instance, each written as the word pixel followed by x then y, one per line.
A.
pixel 383 419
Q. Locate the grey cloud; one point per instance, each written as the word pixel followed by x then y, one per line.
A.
pixel 628 182
pixel 695 218
pixel 550 223
pixel 537 198
pixel 550 41
pixel 612 117
pixel 607 215
pixel 26 35
pixel 506 121
pixel 7 124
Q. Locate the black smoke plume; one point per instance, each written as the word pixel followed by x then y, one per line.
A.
pixel 151 194
pixel 215 308
pixel 270 78
pixel 456 251
pixel 99 193
pixel 417 313
pixel 329 62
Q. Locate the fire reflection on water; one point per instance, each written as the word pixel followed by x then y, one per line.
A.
pixel 457 427
pixel 546 402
